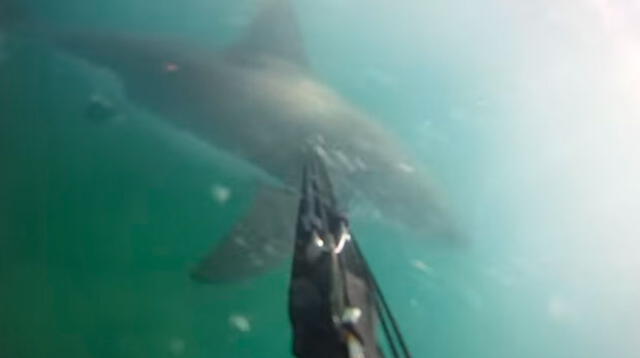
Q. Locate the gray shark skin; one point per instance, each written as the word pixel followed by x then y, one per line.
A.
pixel 259 100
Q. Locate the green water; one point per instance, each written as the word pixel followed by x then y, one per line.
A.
pixel 101 222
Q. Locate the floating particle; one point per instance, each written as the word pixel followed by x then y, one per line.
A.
pixel 422 266
pixel 406 168
pixel 177 346
pixel 221 194
pixel 240 322
pixel 171 67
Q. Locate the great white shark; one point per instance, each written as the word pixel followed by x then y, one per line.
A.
pixel 259 100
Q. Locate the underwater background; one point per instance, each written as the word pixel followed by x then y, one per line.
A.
pixel 526 113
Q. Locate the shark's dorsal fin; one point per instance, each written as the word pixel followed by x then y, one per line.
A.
pixel 273 32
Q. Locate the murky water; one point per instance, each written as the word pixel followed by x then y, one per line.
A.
pixel 525 114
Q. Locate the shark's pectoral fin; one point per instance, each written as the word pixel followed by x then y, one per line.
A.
pixel 261 240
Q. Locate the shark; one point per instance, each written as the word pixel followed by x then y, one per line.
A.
pixel 259 100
